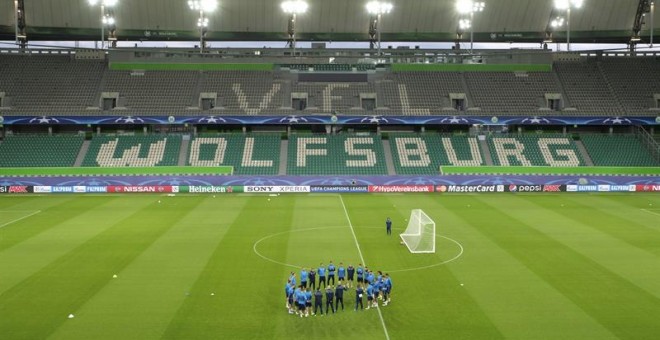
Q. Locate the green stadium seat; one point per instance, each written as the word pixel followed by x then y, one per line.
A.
pixel 133 151
pixel 336 155
pixel 617 150
pixel 423 154
pixel 40 150
pixel 253 154
pixel 536 150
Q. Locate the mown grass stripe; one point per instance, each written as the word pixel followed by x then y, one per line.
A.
pixel 636 265
pixel 456 314
pixel 626 310
pixel 39 305
pixel 150 289
pixel 230 271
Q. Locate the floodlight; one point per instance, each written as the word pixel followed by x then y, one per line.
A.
pixel 478 6
pixel 566 4
pixel 108 21
pixel 93 2
pixel 557 22
pixel 378 7
pixel 109 3
pixel 464 6
pixel 294 7
pixel 465 24
pixel 203 5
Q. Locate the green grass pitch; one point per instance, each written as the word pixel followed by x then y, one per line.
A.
pixel 533 266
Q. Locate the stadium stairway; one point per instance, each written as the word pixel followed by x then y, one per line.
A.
pixel 583 152
pixel 183 151
pixel 82 153
pixel 284 154
pixel 389 161
pixel 485 151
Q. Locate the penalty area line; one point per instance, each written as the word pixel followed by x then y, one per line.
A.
pixel 19 219
pixel 651 211
pixel 357 244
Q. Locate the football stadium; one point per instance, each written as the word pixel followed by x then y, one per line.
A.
pixel 307 169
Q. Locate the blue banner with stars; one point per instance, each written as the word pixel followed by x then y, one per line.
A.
pixel 327 119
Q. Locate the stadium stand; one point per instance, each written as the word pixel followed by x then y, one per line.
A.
pixel 243 92
pixel 534 150
pixel 419 93
pixel 586 88
pixel 133 151
pixel 336 155
pixel 254 154
pixel 50 84
pixel 152 92
pixel 330 97
pixel 634 80
pixel 39 150
pixel 617 150
pixel 423 154
pixel 511 92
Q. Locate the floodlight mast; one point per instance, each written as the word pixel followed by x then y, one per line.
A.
pixel 203 7
pixel 652 21
pixel 566 5
pixel 470 7
pixel 293 8
pixel 378 8
pixel 19 13
pixel 105 18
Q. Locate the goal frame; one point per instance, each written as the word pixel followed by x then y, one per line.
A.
pixel 410 231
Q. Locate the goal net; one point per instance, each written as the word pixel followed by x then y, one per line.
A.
pixel 419 236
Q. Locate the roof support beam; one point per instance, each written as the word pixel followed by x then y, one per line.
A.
pixel 643 7
pixel 19 15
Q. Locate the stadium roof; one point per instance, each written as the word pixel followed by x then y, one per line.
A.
pixel 338 20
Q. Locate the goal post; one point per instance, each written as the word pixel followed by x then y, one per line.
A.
pixel 419 236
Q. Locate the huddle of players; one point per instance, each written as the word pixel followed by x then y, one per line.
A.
pixel 299 297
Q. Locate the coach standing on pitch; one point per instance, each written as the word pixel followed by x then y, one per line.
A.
pixel 388 224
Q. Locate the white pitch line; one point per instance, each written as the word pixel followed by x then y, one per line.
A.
pixel 382 321
pixel 21 218
pixel 651 212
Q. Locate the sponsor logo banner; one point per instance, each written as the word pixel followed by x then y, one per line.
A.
pixel 277 188
pixel 96 189
pixel 554 188
pixel 140 188
pixel 525 188
pixel 470 188
pixel 19 189
pixel 209 189
pixel 3 189
pixel 648 187
pixel 623 188
pixel 79 188
pixel 42 189
pixel 401 188
pixel 339 188
pixel 62 189
pixel 587 188
pixel 571 188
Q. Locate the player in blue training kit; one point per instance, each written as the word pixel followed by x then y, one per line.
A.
pixel 351 274
pixel 341 272
pixel 300 301
pixel 388 224
pixel 329 298
pixel 384 291
pixel 331 272
pixel 358 297
pixel 321 272
pixel 312 278
pixel 370 296
pixel 303 277
pixel 370 277
pixel 360 274
pixel 292 278
pixel 388 283
pixel 308 301
pixel 339 296
pixel 290 289
pixel 318 301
